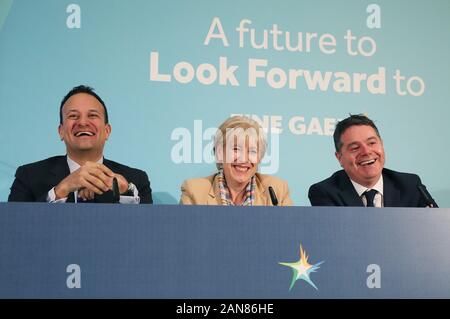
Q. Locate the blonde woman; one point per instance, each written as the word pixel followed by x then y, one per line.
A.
pixel 239 145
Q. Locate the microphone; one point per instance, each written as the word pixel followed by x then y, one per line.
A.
pixel 273 197
pixel 426 195
pixel 115 189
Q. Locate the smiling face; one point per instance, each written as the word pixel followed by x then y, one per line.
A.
pixel 241 158
pixel 361 154
pixel 84 130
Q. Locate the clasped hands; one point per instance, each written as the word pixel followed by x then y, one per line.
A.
pixel 90 179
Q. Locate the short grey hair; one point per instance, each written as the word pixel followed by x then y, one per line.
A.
pixel 244 123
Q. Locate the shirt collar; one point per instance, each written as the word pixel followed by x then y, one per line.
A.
pixel 73 166
pixel 360 189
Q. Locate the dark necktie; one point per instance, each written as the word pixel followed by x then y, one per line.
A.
pixel 370 195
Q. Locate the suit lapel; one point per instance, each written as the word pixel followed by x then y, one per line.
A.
pixel 260 193
pixel 348 192
pixel 214 193
pixel 391 195
pixel 58 172
pixel 110 165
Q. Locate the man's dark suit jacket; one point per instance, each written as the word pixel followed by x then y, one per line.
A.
pixel 400 190
pixel 33 181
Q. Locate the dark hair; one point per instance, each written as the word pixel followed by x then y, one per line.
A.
pixel 81 89
pixel 352 120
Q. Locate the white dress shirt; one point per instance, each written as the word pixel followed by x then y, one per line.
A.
pixel 378 200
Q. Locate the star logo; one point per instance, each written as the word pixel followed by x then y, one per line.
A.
pixel 302 269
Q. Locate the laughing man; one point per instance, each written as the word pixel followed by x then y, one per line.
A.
pixel 364 181
pixel 83 175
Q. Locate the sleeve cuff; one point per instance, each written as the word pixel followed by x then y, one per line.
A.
pixel 51 197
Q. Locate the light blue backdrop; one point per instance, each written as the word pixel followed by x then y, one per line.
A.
pixel 42 56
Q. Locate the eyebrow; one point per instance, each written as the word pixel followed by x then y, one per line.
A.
pixel 367 140
pixel 70 112
pixel 89 111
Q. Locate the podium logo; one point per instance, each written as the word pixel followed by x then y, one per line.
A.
pixel 74 279
pixel 302 269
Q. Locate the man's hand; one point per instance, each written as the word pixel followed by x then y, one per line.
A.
pixel 123 183
pixel 89 179
pixel 85 194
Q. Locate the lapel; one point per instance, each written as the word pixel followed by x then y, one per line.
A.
pixel 391 195
pixel 348 192
pixel 260 193
pixel 109 164
pixel 58 172
pixel 214 193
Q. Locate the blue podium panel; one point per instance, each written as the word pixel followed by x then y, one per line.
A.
pixel 126 251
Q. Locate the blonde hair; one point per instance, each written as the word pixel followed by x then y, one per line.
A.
pixel 244 124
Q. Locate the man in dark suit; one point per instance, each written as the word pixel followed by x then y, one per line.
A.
pixel 364 181
pixel 83 174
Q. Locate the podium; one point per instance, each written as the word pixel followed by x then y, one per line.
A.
pixel 177 252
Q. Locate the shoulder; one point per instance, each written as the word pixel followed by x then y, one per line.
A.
pixel 332 181
pixel 390 172
pixel 43 164
pixel 198 184
pixel 195 191
pixel 279 185
pixel 401 177
pixel 270 180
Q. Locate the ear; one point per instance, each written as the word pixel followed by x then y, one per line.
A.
pixel 338 157
pixel 60 132
pixel 108 130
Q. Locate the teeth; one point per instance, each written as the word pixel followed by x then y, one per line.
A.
pixel 241 169
pixel 367 162
pixel 84 133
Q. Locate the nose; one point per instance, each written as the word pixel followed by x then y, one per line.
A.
pixel 246 156
pixel 365 149
pixel 82 120
pixel 242 156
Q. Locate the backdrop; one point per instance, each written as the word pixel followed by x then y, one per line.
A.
pixel 171 71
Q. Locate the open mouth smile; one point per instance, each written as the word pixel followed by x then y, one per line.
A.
pixel 84 133
pixel 368 162
pixel 241 168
